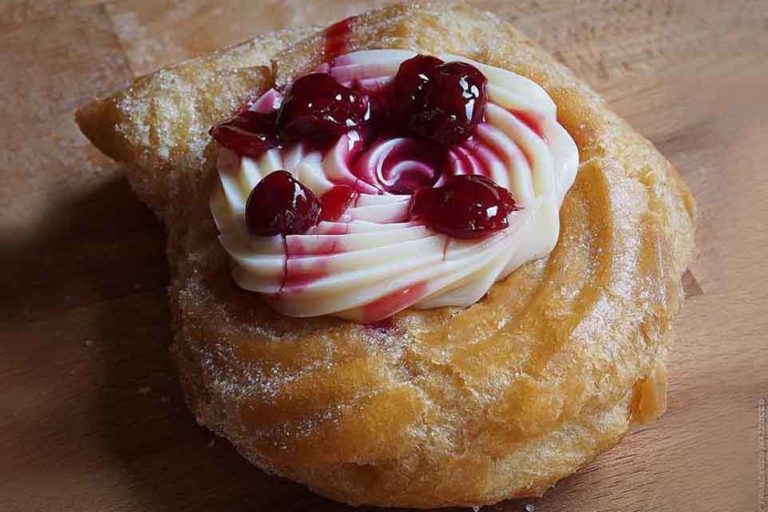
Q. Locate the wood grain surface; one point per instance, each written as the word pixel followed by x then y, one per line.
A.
pixel 91 417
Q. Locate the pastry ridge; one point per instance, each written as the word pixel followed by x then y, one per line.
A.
pixel 442 407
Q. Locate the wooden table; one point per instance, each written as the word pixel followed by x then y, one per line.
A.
pixel 91 418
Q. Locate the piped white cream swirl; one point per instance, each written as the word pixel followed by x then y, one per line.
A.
pixel 373 262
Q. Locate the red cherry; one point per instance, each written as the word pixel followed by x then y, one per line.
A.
pixel 248 133
pixel 466 207
pixel 336 201
pixel 317 106
pixel 443 102
pixel 411 81
pixel 280 205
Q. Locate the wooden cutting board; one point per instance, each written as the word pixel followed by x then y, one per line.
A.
pixel 91 418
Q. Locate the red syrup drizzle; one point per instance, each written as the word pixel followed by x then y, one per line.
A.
pixel 336 201
pixel 385 325
pixel 532 121
pixel 445 248
pixel 465 154
pixel 337 228
pixel 395 302
pixel 302 266
pixel 285 267
pixel 336 38
pixel 295 278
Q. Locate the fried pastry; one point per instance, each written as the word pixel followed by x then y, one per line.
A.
pixel 420 265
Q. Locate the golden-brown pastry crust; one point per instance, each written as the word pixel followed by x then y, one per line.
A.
pixel 442 407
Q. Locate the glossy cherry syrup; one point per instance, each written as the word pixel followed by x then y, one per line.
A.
pixel 317 106
pixel 336 201
pixel 336 37
pixel 248 133
pixel 466 207
pixel 532 121
pixel 281 205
